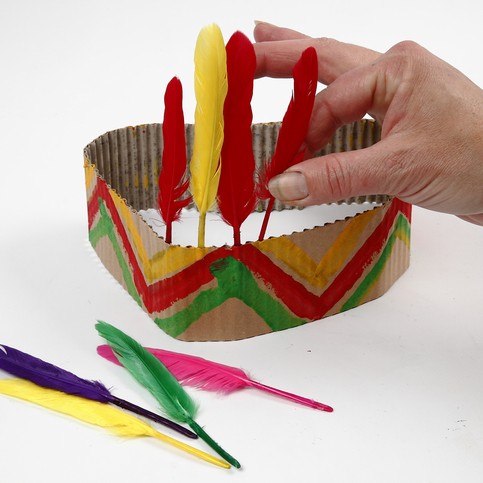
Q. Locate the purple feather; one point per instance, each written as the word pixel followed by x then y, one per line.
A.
pixel 44 374
pixel 47 375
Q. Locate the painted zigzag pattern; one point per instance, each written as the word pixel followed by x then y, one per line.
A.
pixel 178 285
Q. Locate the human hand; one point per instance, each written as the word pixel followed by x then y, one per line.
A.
pixel 431 151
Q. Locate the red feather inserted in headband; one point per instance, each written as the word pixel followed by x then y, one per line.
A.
pixel 173 181
pixel 295 123
pixel 236 191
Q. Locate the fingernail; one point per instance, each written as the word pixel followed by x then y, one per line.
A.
pixel 289 186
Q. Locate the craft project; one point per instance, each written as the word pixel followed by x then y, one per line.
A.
pixel 212 376
pixel 47 375
pixel 249 288
pixel 154 376
pixel 96 413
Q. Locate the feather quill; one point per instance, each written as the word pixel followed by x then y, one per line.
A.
pixel 210 91
pixel 173 180
pixel 96 413
pixel 45 374
pixel 153 374
pixel 293 129
pixel 236 191
pixel 212 376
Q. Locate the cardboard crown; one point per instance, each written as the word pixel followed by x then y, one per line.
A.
pixel 234 292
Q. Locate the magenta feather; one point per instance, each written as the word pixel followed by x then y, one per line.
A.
pixel 212 376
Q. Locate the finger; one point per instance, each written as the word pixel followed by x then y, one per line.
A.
pixel 337 176
pixel 265 31
pixel 279 49
pixel 475 219
pixel 367 89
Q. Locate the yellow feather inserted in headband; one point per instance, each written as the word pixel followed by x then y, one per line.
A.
pixel 96 413
pixel 210 90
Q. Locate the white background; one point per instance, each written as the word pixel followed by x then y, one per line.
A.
pixel 404 372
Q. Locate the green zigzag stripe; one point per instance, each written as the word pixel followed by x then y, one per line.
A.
pixel 105 227
pixel 228 271
pixel 401 230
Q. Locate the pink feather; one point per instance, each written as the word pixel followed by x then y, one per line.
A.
pixel 212 376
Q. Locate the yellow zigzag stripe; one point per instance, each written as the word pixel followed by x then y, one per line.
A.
pixel 160 265
pixel 319 274
pixel 90 173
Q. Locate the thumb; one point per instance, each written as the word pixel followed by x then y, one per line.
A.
pixel 337 176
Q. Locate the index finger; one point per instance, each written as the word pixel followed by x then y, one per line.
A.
pixel 278 49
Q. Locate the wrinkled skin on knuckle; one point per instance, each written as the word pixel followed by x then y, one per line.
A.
pixel 333 178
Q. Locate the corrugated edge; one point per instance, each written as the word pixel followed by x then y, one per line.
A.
pixel 126 162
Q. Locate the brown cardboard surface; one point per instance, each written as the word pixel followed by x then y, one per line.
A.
pixel 223 293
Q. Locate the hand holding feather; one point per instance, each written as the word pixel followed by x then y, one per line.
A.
pixel 154 376
pixel 47 375
pixel 198 372
pixel 293 130
pixel 94 412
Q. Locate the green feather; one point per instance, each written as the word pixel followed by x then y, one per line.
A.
pixel 150 372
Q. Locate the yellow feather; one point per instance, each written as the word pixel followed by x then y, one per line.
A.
pixel 210 90
pixel 95 413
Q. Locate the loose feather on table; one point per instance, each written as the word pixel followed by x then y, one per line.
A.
pixel 96 413
pixel 21 364
pixel 154 376
pixel 293 130
pixel 212 376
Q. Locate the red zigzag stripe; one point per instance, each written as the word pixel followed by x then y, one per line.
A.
pixel 296 297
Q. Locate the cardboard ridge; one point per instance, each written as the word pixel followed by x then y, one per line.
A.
pixel 234 292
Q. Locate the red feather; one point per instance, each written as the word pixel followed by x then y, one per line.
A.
pixel 173 181
pixel 295 123
pixel 236 191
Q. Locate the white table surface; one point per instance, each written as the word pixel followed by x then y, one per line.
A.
pixel 404 372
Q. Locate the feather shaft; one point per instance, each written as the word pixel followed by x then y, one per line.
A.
pixel 210 92
pixel 204 374
pixel 45 374
pixel 173 181
pixel 154 376
pixel 95 413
